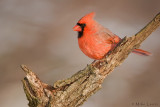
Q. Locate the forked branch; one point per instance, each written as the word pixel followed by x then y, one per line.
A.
pixel 72 92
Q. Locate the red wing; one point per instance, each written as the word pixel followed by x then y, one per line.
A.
pixel 112 39
pixel 108 37
pixel 109 41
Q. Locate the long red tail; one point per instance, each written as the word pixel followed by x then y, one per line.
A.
pixel 141 52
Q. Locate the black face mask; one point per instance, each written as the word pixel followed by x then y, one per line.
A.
pixel 80 33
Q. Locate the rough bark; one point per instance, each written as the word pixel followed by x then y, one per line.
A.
pixel 72 92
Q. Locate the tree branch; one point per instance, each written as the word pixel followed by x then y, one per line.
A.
pixel 72 92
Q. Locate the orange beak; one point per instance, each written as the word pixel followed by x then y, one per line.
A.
pixel 77 28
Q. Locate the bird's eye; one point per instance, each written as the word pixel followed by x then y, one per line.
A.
pixel 84 25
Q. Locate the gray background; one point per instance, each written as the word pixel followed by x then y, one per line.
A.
pixel 39 33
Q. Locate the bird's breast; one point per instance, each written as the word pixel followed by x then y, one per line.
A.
pixel 93 46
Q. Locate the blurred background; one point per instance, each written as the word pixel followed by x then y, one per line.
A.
pixel 38 33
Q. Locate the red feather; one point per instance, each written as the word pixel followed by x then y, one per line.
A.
pixel 95 41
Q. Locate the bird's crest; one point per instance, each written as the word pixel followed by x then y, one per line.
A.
pixel 87 17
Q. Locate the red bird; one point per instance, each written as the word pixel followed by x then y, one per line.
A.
pixel 96 41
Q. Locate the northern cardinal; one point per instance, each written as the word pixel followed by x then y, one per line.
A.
pixel 96 41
